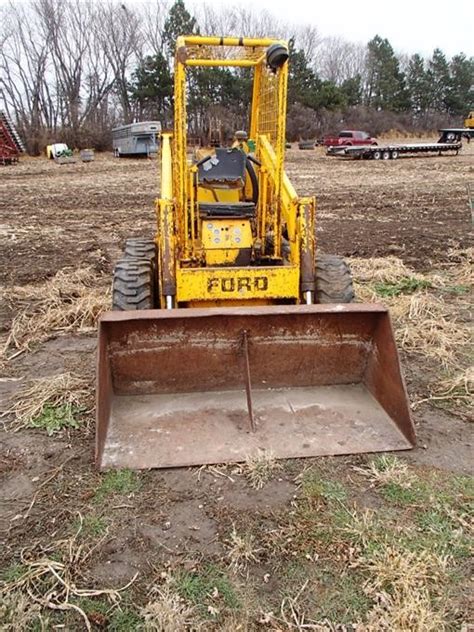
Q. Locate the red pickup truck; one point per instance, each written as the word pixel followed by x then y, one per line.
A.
pixel 349 137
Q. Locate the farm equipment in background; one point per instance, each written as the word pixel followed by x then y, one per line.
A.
pixel 60 153
pixel 391 151
pixel 230 332
pixel 469 121
pixel 11 145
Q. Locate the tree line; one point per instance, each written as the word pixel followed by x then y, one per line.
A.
pixel 73 69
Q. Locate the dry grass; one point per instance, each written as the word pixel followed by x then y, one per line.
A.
pixel 166 611
pixel 260 467
pixel 50 577
pixel 62 390
pixel 71 301
pixel 425 322
pixel 241 550
pixel 462 266
pixel 381 269
pixel 456 391
pixel 407 589
pixel 19 612
pixel 387 469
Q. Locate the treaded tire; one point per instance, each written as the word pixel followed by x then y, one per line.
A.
pixel 132 287
pixel 333 280
pixel 140 247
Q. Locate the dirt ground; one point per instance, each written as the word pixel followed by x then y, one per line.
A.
pixel 204 547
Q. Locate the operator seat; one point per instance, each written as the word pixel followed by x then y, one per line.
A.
pixel 226 169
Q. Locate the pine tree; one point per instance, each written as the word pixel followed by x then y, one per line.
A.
pixel 386 87
pixel 460 97
pixel 418 84
pixel 439 81
pixel 179 22
pixel 151 87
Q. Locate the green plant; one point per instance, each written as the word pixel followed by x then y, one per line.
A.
pixel 124 620
pixel 405 285
pixel 209 585
pixel 92 526
pixel 12 573
pixel 313 486
pixel 117 482
pixel 53 419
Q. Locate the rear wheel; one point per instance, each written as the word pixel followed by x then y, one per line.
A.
pixel 394 154
pixel 377 155
pixel 133 284
pixel 333 280
pixel 386 155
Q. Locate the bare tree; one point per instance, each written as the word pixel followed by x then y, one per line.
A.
pixel 122 38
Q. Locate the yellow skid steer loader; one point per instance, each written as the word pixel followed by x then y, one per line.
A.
pixel 230 333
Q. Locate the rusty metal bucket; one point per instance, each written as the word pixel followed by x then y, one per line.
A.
pixel 192 386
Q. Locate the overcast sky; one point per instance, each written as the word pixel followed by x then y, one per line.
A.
pixel 411 26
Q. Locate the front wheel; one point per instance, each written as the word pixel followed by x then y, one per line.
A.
pixel 133 285
pixel 333 280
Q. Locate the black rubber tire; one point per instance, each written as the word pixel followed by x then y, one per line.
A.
pixel 386 155
pixel 133 284
pixel 333 280
pixel 377 155
pixel 140 248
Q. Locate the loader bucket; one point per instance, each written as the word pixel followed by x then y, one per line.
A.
pixel 193 386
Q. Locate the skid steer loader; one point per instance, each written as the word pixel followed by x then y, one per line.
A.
pixel 230 333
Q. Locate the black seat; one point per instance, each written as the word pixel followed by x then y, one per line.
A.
pixel 223 209
pixel 224 170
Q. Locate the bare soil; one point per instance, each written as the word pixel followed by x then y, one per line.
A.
pixel 57 216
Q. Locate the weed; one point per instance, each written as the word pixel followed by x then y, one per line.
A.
pixel 405 285
pixel 92 526
pixel 388 469
pixel 166 610
pixel 117 482
pixel 241 550
pixel 53 419
pixel 260 467
pixel 205 588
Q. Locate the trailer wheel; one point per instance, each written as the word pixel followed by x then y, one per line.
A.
pixel 394 154
pixel 333 280
pixel 386 155
pixel 377 155
pixel 133 285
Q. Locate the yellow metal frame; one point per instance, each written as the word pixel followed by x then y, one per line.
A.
pixel 183 273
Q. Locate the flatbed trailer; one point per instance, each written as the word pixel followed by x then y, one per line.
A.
pixel 387 152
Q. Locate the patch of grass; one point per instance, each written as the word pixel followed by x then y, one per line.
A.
pixel 124 620
pixel 92 526
pixel 401 495
pixel 117 482
pixel 459 290
pixel 313 486
pixel 405 285
pixel 53 419
pixel 340 597
pixel 438 532
pixel 208 587
pixel 12 573
pixel 260 467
